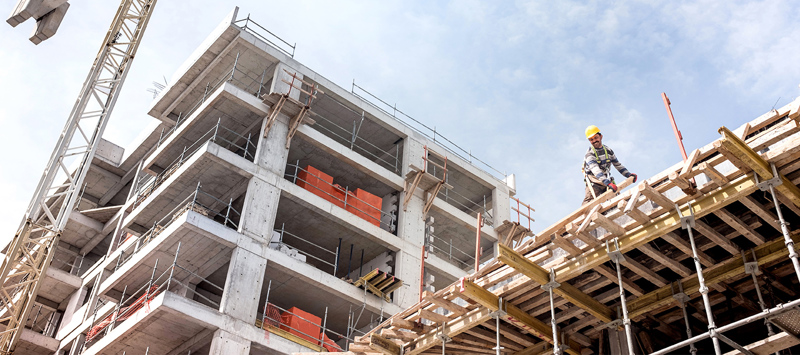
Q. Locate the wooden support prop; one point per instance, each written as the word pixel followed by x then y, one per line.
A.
pixel 383 345
pixel 542 276
pixel 540 348
pixel 295 123
pixel 682 183
pixel 415 327
pixel 430 196
pixel 627 284
pixel 660 226
pixel 398 334
pixel 514 315
pixel 672 264
pixel 765 253
pixel 634 212
pixel 689 163
pixel 754 161
pixel 273 114
pixel 644 272
pixel 686 248
pixel 582 235
pixel 740 226
pixel 432 316
pixel 450 306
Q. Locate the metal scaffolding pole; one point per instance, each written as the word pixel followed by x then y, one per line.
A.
pixel 682 298
pixel 769 185
pixel 499 313
pixel 617 257
pixel 687 223
pixel 751 268
pixel 444 338
pixel 557 350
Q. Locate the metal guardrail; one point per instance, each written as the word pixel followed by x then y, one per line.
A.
pixel 426 131
pixel 451 253
pixel 217 134
pixel 192 202
pixel 296 245
pixel 255 29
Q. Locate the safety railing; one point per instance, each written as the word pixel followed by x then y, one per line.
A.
pixel 307 248
pixel 447 251
pixel 198 201
pixel 244 80
pixel 426 131
pixel 466 205
pixel 523 210
pixel 255 29
pixel 174 279
pixel 348 201
pixel 349 137
pixel 43 320
pixel 219 134
pixel 67 260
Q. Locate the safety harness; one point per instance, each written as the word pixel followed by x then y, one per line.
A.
pixel 607 171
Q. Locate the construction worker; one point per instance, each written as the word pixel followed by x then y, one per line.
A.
pixel 597 166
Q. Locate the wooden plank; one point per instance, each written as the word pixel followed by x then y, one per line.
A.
pixel 627 284
pixel 450 306
pixel 754 161
pixel 607 224
pixel 451 329
pixel 582 235
pixel 398 334
pixel 536 349
pixel 655 196
pixel 646 273
pixel 716 237
pixel 770 345
pixel 432 316
pixel 570 248
pixel 740 226
pixel 412 326
pixel 690 161
pixel 672 264
pixel 761 211
pixel 542 276
pixel 713 174
pixel 765 253
pixel 686 248
pixel 383 345
pixel 514 315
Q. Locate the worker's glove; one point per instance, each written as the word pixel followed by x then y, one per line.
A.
pixel 612 186
pixel 634 176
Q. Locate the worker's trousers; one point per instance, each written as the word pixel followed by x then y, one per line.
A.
pixel 599 189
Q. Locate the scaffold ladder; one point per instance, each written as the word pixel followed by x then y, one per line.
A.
pixel 34 244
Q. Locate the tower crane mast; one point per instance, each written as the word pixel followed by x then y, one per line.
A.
pixel 32 249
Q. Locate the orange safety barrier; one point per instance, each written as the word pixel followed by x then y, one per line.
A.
pixel 301 323
pixel 360 203
pixel 123 313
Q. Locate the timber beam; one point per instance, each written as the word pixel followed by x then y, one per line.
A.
pixel 513 315
pixel 450 329
pixel 541 276
pixel 765 253
pixel 738 148
pixel 660 226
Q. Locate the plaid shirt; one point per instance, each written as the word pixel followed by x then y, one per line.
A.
pixel 597 163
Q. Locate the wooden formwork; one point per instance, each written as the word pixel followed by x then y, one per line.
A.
pixel 735 224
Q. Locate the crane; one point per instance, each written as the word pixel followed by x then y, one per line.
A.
pixel 34 244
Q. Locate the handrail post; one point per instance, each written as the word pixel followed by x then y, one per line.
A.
pixel 324 324
pixel 247 146
pixel 150 283
pixel 235 62
pixel 174 262
pixel 228 212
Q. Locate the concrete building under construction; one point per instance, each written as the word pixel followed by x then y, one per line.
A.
pixel 271 211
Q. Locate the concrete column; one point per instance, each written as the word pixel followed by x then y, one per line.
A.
pixel 260 208
pixel 224 343
pixel 243 285
pixel 501 206
pixel 271 153
pixel 411 227
pixel 77 345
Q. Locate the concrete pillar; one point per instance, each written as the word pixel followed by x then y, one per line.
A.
pixel 271 153
pixel 224 343
pixel 501 206
pixel 77 345
pixel 243 285
pixel 260 208
pixel 411 227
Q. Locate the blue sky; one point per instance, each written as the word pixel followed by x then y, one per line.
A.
pixel 515 82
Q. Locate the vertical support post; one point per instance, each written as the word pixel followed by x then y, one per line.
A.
pixel 617 257
pixel 422 272
pixel 119 305
pixel 338 254
pixel 266 302
pixel 682 298
pixel 150 283
pixel 350 263
pixel 324 324
pixel 557 350
pixel 687 223
pixel 769 185
pixel 172 269
pixel 361 264
pixel 235 62
pixel 296 171
pixel 751 268
pixel 499 313
pixel 227 213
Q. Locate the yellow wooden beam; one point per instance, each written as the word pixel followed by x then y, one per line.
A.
pixel 754 161
pixel 452 328
pixel 542 276
pixel 670 221
pixel 383 345
pixel 765 253
pixel 513 315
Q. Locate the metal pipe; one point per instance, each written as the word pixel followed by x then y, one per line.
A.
pixel 174 262
pixel 338 254
pixel 361 266
pixel 785 230
pixel 350 262
pixel 682 299
pixel 549 287
pixel 617 256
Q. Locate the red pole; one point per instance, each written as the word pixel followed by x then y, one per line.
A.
pixel 678 135
pixel 478 243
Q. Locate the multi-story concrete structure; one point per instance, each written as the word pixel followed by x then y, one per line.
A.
pixel 218 214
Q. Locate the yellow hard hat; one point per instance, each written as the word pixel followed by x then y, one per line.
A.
pixel 591 130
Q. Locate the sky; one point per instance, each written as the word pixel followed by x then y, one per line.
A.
pixel 514 82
